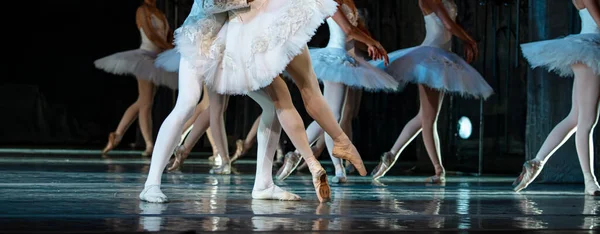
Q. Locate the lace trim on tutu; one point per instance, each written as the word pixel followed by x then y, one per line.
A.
pixel 337 65
pixel 275 37
pixel 559 55
pixel 439 69
pixel 195 40
pixel 139 63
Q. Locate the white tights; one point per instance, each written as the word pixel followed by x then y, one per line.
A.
pixel 335 95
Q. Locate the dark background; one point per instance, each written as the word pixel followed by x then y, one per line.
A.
pixel 53 97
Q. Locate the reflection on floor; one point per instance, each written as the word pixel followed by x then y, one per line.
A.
pixel 78 193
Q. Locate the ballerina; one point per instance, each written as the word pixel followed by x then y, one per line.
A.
pixel 340 69
pixel 156 37
pixel 579 56
pixel 274 37
pixel 436 71
pixel 197 125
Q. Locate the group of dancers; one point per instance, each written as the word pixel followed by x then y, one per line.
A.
pixel 245 47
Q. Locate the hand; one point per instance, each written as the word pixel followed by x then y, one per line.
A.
pixel 376 52
pixel 471 51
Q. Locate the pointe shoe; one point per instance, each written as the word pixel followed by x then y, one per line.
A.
pixel 113 141
pixel 290 163
pixel 212 158
pixel 385 164
pixel 591 187
pixel 345 150
pixel 274 193
pixel 180 156
pixel 152 193
pixel 238 151
pixel 437 179
pixel 223 169
pixel 319 179
pixel 531 169
pixel 339 179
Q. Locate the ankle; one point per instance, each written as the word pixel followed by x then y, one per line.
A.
pixel 342 138
pixel 440 170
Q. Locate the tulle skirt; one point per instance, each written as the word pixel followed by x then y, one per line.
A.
pixel 139 63
pixel 337 65
pixel 257 44
pixel 168 60
pixel 437 69
pixel 559 54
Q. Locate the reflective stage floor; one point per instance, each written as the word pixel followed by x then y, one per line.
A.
pixel 89 194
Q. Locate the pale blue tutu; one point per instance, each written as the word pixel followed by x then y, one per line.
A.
pixel 438 69
pixel 168 60
pixel 337 65
pixel 559 55
pixel 139 63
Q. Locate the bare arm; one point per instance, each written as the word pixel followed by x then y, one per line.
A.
pixel 438 8
pixel 355 33
pixel 145 18
pixel 594 9
pixel 359 45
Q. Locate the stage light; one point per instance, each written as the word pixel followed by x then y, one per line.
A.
pixel 465 128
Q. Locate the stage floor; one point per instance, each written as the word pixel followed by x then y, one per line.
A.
pixel 87 193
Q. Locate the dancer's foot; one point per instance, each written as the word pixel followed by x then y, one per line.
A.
pixel 339 179
pixel 113 141
pixel 385 164
pixel 239 151
pixel 152 193
pixel 274 193
pixel 291 161
pixel 319 178
pixel 180 155
pixel 591 187
pixel 344 149
pixel 224 168
pixel 531 169
pixel 437 179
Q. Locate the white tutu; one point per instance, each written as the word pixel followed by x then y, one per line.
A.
pixel 438 69
pixel 168 60
pixel 559 54
pixel 337 65
pixel 139 63
pixel 258 49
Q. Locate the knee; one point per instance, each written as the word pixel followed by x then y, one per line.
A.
pixel 427 121
pixel 145 107
pixel 572 119
pixel 185 105
pixel 586 127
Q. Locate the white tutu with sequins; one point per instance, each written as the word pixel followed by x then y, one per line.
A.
pixel 254 45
